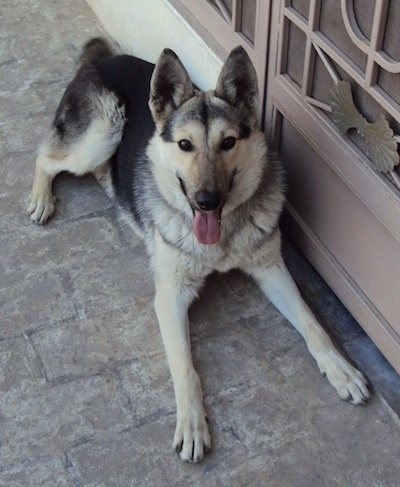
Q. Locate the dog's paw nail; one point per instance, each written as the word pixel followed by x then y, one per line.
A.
pixel 178 447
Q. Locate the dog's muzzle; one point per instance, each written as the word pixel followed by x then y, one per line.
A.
pixel 207 209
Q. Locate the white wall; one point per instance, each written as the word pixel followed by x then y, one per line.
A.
pixel 144 27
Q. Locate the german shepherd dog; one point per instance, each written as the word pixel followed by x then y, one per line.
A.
pixel 193 172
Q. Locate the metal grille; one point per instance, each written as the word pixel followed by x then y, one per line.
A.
pixel 359 36
pixel 323 41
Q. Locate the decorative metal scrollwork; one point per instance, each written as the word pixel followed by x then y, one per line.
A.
pixel 382 143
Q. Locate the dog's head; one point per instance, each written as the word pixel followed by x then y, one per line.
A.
pixel 205 140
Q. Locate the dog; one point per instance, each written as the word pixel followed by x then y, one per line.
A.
pixel 193 173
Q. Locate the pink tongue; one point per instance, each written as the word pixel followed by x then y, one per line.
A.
pixel 206 226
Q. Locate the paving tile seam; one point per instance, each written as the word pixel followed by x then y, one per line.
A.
pixel 101 371
pixel 81 315
pixel 4 339
pixel 124 395
pixel 153 417
pixel 92 215
pixel 36 357
pixel 45 324
pixel 35 328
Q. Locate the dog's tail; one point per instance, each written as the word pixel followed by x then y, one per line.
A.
pixel 96 48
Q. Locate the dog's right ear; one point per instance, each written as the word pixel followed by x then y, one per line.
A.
pixel 170 86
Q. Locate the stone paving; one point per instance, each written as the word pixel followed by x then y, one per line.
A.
pixel 85 394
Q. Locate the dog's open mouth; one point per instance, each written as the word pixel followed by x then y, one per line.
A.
pixel 207 226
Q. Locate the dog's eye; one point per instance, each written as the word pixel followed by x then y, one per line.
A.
pixel 185 145
pixel 228 143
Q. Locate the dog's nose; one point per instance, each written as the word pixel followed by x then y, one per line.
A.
pixel 208 200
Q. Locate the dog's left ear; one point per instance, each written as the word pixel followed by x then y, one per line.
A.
pixel 237 83
pixel 170 86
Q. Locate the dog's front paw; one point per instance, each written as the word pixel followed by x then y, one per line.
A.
pixel 192 438
pixel 41 208
pixel 350 383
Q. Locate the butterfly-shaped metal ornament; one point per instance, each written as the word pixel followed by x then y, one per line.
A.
pixel 382 143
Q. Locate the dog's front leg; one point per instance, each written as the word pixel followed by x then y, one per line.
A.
pixel 174 293
pixel 278 285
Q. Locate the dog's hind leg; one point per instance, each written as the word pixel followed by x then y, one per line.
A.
pixel 104 178
pixel 277 284
pixel 42 204
pixel 73 147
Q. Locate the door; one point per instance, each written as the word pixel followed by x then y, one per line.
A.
pixel 342 212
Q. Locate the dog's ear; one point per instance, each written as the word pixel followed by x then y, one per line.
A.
pixel 237 83
pixel 170 86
